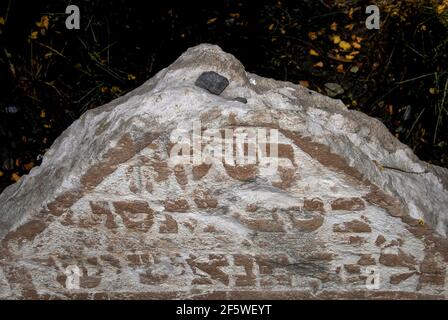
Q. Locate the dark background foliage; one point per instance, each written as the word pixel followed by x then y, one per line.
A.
pixel 50 75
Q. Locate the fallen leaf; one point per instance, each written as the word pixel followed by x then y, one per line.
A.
pixel 131 77
pixel 432 90
pixel 337 58
pixel 334 26
pixel 15 177
pixel 104 89
pixel 2 173
pixel 354 69
pixel 349 27
pixel 319 64
pixel 356 45
pixel 42 114
pixel 304 83
pixel 43 23
pixel 212 20
pixel 349 57
pixel 390 109
pixel 312 35
pixel 2 20
pixel 345 45
pixel 271 27
pixel 235 15
pixel 350 13
pixel 340 68
pixel 336 39
pixel 115 90
pixel 33 35
pixel 28 166
pixel 314 53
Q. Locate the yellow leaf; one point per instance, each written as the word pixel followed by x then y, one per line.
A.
pixel 271 27
pixel 47 126
pixel 334 26
pixel 349 57
pixel 432 90
pixel 1 174
pixel 212 20
pixel 131 77
pixel 349 27
pixel 43 23
pixel 42 114
pixel 115 89
pixel 356 45
pixel 234 15
pixel 336 39
pixel 350 13
pixel 312 35
pixel 34 35
pixel 320 64
pixel 28 166
pixel 421 222
pixel 345 45
pixel 48 55
pixel 104 89
pixel 15 177
pixel 2 20
pixel 340 68
pixel 314 53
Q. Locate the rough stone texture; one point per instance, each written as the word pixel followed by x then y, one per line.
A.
pixel 107 200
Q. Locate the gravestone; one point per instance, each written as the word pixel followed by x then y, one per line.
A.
pixel 174 192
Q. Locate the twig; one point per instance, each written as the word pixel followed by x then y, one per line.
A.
pixel 413 79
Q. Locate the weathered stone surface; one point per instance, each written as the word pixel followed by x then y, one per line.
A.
pixel 109 202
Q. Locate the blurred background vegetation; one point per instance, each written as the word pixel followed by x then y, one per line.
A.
pixel 50 75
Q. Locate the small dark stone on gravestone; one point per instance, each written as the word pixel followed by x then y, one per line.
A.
pixel 212 82
pixel 241 99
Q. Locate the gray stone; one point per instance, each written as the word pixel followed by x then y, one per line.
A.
pixel 213 82
pixel 333 89
pixel 344 203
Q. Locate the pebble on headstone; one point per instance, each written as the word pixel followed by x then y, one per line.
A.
pixel 212 82
pixel 241 99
